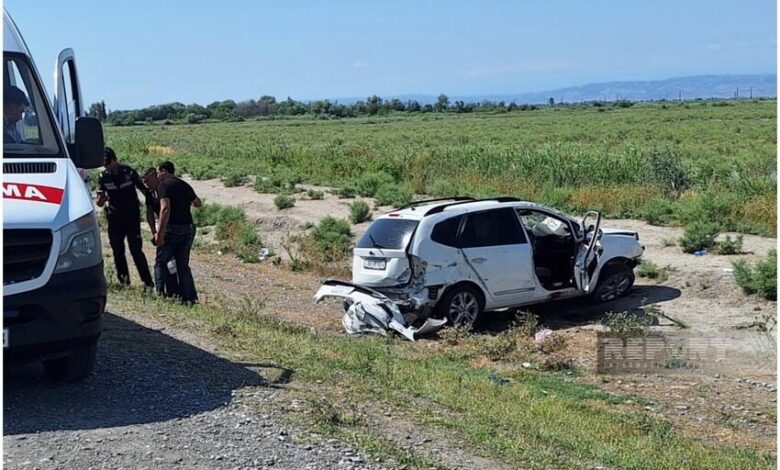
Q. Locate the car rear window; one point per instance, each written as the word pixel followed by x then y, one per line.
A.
pixel 393 234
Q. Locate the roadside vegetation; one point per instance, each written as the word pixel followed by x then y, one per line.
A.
pixel 233 233
pixel 480 396
pixel 670 163
pixel 759 278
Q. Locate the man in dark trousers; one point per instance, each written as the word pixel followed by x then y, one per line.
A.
pixel 170 280
pixel 117 186
pixel 176 232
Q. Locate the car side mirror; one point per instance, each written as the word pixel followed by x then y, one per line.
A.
pixel 88 151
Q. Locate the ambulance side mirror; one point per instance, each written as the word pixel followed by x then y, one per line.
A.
pixel 88 151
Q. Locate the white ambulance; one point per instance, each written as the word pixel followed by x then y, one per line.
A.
pixel 54 290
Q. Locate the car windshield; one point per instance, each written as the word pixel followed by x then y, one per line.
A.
pixel 392 234
pixel 28 130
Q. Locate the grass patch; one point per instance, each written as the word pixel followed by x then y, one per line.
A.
pixel 650 270
pixel 535 420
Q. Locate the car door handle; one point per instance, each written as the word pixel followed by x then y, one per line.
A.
pixel 478 260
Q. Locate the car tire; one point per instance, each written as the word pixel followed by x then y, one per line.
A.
pixel 462 306
pixel 614 282
pixel 74 367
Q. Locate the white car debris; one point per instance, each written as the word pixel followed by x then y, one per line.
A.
pixel 370 311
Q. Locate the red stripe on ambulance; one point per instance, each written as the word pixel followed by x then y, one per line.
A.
pixel 32 192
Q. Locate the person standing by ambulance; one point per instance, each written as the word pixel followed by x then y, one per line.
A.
pixel 117 187
pixel 176 232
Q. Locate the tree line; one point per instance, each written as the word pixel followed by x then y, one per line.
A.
pixel 268 107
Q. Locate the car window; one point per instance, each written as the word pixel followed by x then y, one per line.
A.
pixel 540 224
pixel 491 228
pixel 393 234
pixel 446 231
pixel 27 128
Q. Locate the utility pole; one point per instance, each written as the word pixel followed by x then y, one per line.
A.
pixel 737 95
pixel 751 93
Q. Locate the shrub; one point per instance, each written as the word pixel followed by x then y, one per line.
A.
pixel 228 223
pixel 359 211
pixel 367 185
pixel 347 192
pixel 760 279
pixel 314 194
pixel 332 234
pixel 206 214
pixel 658 211
pixel 234 179
pixel 699 236
pixel 393 194
pixel 283 201
pixel 729 246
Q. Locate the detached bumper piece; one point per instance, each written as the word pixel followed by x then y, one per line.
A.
pixel 371 312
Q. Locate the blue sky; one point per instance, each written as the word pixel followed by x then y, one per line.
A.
pixel 137 53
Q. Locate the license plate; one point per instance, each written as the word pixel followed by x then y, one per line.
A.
pixel 5 338
pixel 375 263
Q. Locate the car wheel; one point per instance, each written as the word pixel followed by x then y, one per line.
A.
pixel 462 306
pixel 615 282
pixel 74 367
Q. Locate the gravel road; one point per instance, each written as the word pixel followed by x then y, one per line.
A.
pixel 155 401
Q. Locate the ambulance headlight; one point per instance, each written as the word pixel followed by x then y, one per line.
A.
pixel 80 246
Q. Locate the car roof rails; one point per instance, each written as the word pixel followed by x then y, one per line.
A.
pixel 414 204
pixel 441 208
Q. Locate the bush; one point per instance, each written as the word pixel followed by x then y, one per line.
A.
pixel 367 185
pixel 234 179
pixel 760 279
pixel 283 201
pixel 699 236
pixel 206 214
pixel 393 194
pixel 314 194
pixel 658 211
pixel 333 235
pixel 730 246
pixel 359 211
pixel 228 222
pixel 347 192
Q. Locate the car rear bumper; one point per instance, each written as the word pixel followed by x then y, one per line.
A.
pixel 48 321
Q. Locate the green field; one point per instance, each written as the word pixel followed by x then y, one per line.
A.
pixel 670 163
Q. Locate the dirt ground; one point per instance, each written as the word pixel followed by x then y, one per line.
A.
pixel 733 400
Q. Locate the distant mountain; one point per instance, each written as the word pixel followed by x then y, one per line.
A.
pixel 700 86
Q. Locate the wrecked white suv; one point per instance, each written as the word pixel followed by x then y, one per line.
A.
pixel 457 258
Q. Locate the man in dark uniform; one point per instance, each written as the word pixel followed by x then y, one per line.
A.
pixel 117 186
pixel 176 232
pixel 170 280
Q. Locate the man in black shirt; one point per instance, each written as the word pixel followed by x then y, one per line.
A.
pixel 117 185
pixel 176 232
pixel 169 279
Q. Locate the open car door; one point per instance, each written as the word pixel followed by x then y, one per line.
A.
pixel 587 256
pixel 68 104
